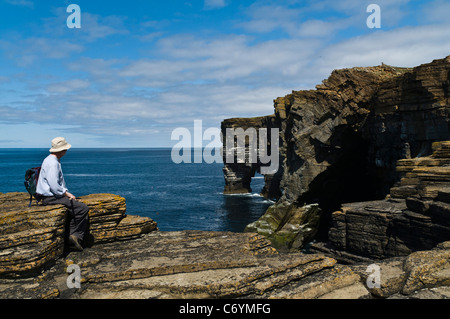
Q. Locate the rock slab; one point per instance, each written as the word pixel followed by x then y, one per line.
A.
pixel 188 264
pixel 203 264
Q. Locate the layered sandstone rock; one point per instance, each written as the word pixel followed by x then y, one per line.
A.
pixel 108 221
pixel 420 275
pixel 185 264
pixel 188 264
pixel 416 215
pixel 34 237
pixel 31 237
pixel 201 264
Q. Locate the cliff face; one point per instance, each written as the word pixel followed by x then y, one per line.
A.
pixel 415 216
pixel 341 142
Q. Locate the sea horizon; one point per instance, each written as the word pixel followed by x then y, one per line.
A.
pixel 185 196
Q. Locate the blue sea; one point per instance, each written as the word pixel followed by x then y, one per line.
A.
pixel 177 196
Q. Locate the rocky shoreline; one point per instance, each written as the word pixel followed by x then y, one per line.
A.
pixel 129 258
pixel 362 211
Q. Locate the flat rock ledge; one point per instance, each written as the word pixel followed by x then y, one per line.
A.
pixel 204 264
pixel 189 264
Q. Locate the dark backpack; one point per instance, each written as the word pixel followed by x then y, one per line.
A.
pixel 31 181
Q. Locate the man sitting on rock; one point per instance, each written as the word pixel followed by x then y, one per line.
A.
pixel 51 189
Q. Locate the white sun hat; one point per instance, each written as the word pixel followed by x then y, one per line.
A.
pixel 59 144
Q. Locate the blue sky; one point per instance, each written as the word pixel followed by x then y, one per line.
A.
pixel 138 69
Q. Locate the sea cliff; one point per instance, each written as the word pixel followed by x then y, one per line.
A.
pixel 350 140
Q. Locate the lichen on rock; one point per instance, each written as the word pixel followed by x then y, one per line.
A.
pixel 287 226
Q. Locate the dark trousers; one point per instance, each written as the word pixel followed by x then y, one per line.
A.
pixel 79 217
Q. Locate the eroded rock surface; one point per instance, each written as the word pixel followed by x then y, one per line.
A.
pixel 202 264
pixel 34 237
pixel 128 260
pixel 416 215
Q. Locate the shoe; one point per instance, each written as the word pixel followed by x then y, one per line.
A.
pixel 75 241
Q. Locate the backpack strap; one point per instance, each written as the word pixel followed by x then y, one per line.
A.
pixel 38 199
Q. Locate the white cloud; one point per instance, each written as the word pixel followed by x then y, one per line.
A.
pixel 96 27
pixel 22 3
pixel 437 11
pixel 314 28
pixel 408 46
pixel 215 4
pixel 225 60
pixel 308 19
pixel 101 69
pixel 26 51
pixel 68 86
pixel 266 18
